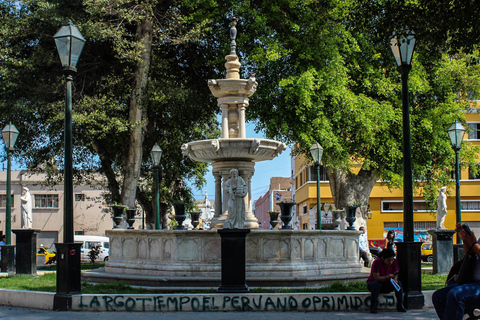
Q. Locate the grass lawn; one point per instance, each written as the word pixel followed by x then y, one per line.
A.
pixel 47 283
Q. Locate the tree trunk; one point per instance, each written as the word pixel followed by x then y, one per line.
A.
pixel 107 170
pixel 137 115
pixel 349 188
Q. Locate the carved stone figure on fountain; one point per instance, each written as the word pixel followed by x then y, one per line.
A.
pixel 441 208
pixel 237 190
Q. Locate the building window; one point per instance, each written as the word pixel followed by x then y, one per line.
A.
pixel 313 173
pixel 472 176
pixel 46 201
pixel 397 206
pixel 79 197
pixel 304 210
pixel 473 133
pixel 305 226
pixel 3 200
pixel 470 205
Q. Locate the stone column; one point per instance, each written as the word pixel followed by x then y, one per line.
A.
pixel 26 240
pixel 241 121
pixel 442 250
pixel 224 107
pixel 251 222
pixel 218 195
pixel 225 177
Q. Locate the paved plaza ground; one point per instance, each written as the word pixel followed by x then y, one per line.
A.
pixel 7 313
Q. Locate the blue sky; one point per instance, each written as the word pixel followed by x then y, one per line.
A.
pixel 264 170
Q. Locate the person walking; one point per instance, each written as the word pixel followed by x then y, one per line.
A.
pixel 363 246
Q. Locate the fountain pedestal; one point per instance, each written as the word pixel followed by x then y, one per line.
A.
pixel 233 261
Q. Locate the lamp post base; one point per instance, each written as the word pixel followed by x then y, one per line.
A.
pixel 68 275
pixel 409 262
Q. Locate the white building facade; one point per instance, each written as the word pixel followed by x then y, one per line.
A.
pixel 91 215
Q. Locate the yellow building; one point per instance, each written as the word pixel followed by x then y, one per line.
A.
pixel 387 204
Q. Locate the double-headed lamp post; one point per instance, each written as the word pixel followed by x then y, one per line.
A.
pixel 456 133
pixel 10 135
pixel 408 250
pixel 156 155
pixel 69 42
pixel 316 151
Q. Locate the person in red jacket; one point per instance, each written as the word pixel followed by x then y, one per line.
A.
pixel 384 278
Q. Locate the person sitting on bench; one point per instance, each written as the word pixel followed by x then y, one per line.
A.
pixel 452 301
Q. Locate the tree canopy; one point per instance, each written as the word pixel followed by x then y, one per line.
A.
pixel 325 73
pixel 141 79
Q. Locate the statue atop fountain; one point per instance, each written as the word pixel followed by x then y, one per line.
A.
pixel 233 150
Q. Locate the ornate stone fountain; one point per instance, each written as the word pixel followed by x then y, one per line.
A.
pixel 233 150
pixel 191 258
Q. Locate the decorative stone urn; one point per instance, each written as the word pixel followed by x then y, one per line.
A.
pixel 195 215
pixel 273 219
pixel 117 215
pixel 131 217
pixel 337 217
pixel 286 214
pixel 351 212
pixel 179 215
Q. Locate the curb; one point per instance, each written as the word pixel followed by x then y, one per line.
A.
pixel 302 302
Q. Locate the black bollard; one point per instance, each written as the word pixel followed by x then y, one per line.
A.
pixel 233 261
pixel 8 259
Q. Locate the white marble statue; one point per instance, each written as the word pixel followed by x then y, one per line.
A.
pixel 441 208
pixel 237 190
pixel 27 219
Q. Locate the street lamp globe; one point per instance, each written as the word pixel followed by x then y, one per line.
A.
pixel 403 48
pixel 10 135
pixel 69 42
pixel 316 151
pixel 456 133
pixel 156 155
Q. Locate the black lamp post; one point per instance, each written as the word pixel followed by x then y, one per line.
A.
pixel 456 133
pixel 69 42
pixel 408 250
pixel 10 135
pixel 156 155
pixel 316 151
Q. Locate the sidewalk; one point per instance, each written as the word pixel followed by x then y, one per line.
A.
pixel 7 313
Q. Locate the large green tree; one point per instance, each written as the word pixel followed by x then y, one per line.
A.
pixel 141 79
pixel 324 74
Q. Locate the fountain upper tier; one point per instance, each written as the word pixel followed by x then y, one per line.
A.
pixel 241 149
pixel 233 96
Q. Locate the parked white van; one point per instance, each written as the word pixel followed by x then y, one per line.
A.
pixel 88 242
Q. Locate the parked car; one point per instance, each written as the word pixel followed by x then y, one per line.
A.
pixel 88 242
pixel 50 257
pixel 426 252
